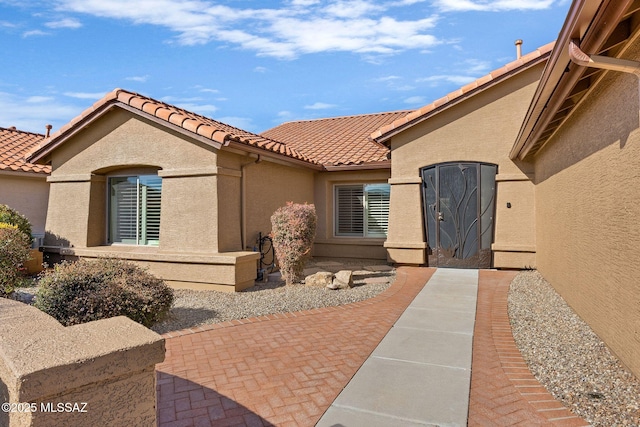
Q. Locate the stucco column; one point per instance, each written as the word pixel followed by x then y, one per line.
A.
pixel 68 211
pixel 405 239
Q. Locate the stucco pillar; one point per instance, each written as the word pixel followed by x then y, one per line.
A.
pixel 68 211
pixel 405 239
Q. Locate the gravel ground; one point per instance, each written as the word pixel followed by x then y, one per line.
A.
pixel 193 308
pixel 568 358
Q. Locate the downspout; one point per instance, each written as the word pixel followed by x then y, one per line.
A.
pixel 243 201
pixel 604 62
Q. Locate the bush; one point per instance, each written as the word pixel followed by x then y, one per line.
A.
pixel 293 229
pixel 13 217
pixel 14 252
pixel 83 291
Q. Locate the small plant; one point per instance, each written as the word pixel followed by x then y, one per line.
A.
pixel 83 291
pixel 14 252
pixel 293 229
pixel 13 217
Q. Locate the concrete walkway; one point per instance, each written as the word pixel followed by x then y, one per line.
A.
pixel 420 374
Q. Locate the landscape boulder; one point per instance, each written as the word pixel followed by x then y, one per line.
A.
pixel 321 278
pixel 342 280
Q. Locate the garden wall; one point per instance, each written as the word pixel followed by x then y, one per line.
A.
pixel 97 373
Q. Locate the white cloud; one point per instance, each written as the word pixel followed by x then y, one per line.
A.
pixel 202 109
pixel 244 123
pixel 32 33
pixel 491 5
pixel 140 79
pixel 460 80
pixel 64 23
pixel 319 106
pixel 32 113
pixel 37 99
pixel 260 70
pixel 386 79
pixel 206 89
pixel 299 27
pixel 352 9
pixel 85 95
pixel 415 100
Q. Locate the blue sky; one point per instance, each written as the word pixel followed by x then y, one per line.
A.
pixel 256 64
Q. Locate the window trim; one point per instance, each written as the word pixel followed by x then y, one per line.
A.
pixel 365 233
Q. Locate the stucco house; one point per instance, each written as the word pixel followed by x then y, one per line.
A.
pixel 23 185
pixel 535 164
pixel 186 195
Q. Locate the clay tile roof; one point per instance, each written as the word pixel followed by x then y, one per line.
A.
pixel 526 61
pixel 196 124
pixel 14 147
pixel 339 140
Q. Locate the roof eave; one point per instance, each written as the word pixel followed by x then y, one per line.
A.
pixel 588 21
pixel 270 154
pixel 359 167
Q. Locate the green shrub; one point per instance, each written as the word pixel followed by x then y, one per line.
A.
pixel 13 217
pixel 293 229
pixel 14 252
pixel 83 291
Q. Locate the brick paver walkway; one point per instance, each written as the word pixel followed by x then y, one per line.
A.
pixel 282 370
pixel 503 390
pixel 286 370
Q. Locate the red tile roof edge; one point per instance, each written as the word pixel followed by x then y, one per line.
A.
pixel 520 64
pixel 13 158
pixel 202 126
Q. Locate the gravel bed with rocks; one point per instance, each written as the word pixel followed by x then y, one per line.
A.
pixel 193 308
pixel 568 358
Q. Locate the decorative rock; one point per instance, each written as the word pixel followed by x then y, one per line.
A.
pixel 321 278
pixel 342 280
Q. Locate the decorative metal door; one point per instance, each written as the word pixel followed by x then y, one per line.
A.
pixel 459 206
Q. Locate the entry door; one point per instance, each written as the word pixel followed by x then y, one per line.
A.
pixel 459 206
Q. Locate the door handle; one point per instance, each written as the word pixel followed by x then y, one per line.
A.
pixel 440 216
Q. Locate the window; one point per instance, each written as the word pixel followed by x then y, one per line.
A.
pixel 362 210
pixel 135 209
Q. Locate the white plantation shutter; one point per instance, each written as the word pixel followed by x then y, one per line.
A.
pixel 135 210
pixel 349 210
pixel 377 207
pixel 362 210
pixel 124 210
pixel 150 192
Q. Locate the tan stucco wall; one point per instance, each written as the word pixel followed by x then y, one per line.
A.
pixel 28 194
pixel 108 364
pixel 588 213
pixel 479 129
pixel 269 186
pixel 329 245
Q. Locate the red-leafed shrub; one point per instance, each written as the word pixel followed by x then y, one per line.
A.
pixel 14 252
pixel 83 291
pixel 293 229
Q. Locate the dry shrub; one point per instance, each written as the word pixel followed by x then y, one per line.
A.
pixel 84 291
pixel 293 229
